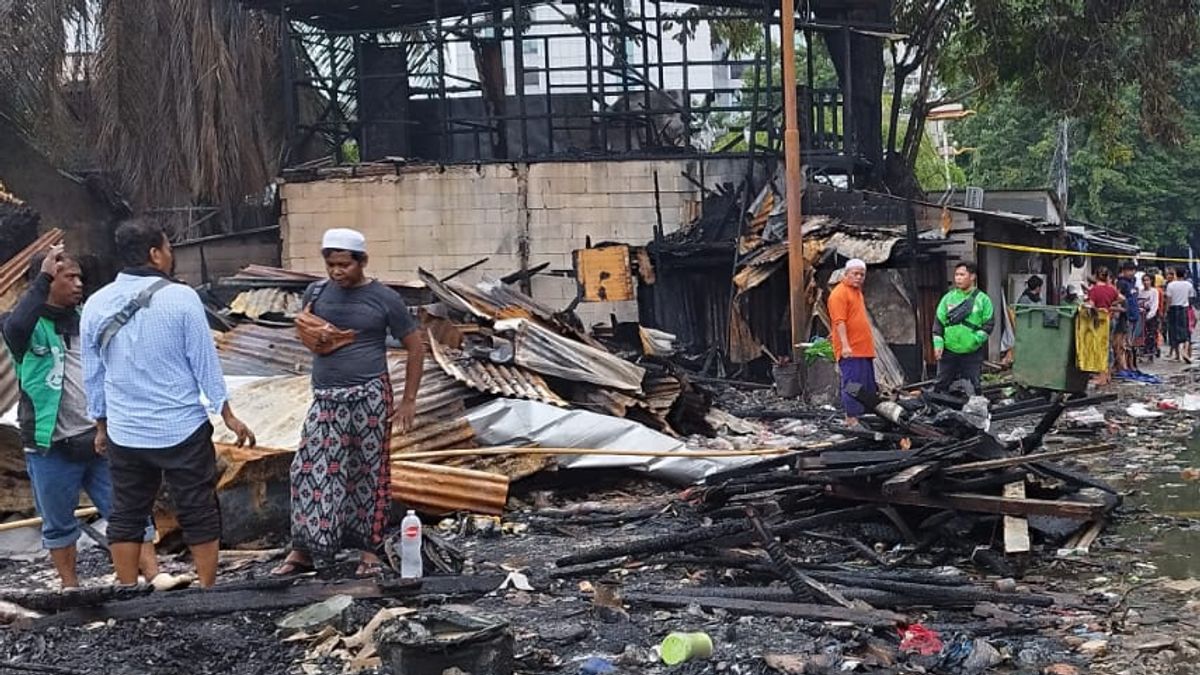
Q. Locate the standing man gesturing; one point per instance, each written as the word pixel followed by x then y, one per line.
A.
pixel 147 357
pixel 341 473
pixel 965 318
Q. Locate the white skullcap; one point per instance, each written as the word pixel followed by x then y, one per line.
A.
pixel 344 239
pixel 855 264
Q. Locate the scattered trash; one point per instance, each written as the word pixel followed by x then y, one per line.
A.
pixel 917 639
pixel 1141 412
pixel 435 640
pixel 516 580
pixel 329 612
pixel 677 648
pixel 597 666
pixel 791 664
pixel 1085 417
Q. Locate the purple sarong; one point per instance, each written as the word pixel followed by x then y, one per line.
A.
pixel 862 371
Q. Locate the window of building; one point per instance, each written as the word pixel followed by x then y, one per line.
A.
pixel 533 79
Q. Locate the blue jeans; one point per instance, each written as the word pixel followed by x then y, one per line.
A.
pixel 56 484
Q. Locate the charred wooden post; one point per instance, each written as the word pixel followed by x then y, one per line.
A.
pixel 803 586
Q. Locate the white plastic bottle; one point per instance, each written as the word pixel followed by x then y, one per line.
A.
pixel 410 546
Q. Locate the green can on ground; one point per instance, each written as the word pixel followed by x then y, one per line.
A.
pixel 1044 351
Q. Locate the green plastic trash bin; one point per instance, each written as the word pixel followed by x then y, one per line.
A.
pixel 1044 355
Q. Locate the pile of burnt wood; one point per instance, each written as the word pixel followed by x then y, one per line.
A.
pixel 849 524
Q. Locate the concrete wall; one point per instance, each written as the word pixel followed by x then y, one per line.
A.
pixel 225 256
pixel 444 218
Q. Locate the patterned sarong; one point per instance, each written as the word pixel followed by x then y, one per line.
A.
pixel 340 475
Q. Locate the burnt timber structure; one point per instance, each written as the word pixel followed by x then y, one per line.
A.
pixel 376 72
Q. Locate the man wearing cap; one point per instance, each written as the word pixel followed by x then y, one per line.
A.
pixel 853 344
pixel 148 356
pixel 340 475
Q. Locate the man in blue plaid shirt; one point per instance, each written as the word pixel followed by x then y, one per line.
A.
pixel 148 356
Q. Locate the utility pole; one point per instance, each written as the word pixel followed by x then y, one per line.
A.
pixel 795 180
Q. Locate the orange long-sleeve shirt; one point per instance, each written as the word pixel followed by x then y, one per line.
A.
pixel 846 305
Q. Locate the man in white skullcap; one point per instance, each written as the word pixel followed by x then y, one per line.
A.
pixel 853 344
pixel 340 475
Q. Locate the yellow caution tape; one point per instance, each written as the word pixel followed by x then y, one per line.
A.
pixel 1059 251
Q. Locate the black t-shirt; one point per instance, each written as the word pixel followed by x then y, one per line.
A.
pixel 373 310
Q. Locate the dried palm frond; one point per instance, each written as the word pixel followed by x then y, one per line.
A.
pixel 187 96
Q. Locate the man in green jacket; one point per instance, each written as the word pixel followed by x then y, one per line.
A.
pixel 964 320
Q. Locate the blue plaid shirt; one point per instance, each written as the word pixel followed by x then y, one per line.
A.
pixel 147 381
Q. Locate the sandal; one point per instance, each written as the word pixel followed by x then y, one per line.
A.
pixel 290 568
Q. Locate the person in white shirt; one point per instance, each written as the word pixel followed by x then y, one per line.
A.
pixel 1148 299
pixel 1180 294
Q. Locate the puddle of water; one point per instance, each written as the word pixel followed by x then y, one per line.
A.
pixel 1175 551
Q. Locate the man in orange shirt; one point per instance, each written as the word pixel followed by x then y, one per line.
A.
pixel 853 346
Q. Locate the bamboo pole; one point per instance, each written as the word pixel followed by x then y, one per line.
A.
pixel 795 179
pixel 31 522
pixel 700 454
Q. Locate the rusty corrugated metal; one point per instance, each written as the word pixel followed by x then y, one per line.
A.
pixel 492 378
pixel 13 271
pixel 251 349
pixel 9 392
pixel 432 488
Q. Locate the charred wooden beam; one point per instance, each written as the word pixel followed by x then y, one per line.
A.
pixel 799 610
pixel 803 586
pixel 977 503
pixel 1006 462
pixel 217 601
pixel 872 596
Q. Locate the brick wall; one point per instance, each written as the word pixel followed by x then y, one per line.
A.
pixel 445 218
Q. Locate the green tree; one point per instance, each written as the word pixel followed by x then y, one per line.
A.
pixel 1121 176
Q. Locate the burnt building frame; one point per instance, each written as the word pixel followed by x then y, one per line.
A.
pixel 376 73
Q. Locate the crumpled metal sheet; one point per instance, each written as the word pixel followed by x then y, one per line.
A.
pixel 543 351
pixel 494 378
pixel 256 303
pixel 506 422
pixel 872 249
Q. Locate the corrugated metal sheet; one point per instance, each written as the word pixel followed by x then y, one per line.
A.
pixel 545 352
pixel 873 249
pixel 14 270
pixel 251 349
pixel 275 408
pixel 430 488
pixel 254 304
pixel 492 378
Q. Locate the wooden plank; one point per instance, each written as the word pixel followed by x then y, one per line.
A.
pixel 1016 529
pixel 801 610
pixel 1084 539
pixel 976 503
pixel 1006 462
pixel 908 478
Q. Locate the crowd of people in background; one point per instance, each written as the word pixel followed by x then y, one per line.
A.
pixel 1151 310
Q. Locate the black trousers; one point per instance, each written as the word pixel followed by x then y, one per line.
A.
pixel 190 470
pixel 953 367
